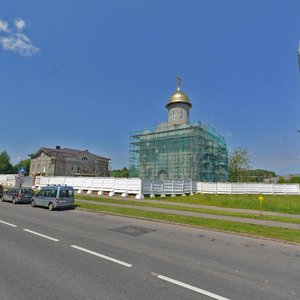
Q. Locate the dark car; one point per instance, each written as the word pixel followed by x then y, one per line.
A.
pixel 18 195
pixel 1 191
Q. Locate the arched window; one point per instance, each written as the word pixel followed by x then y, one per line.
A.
pixel 84 158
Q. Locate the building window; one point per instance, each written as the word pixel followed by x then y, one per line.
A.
pixel 72 168
pixel 84 158
pixel 79 169
pixel 181 114
pixel 173 114
pixel 44 169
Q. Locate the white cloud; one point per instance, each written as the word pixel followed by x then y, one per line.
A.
pixel 15 41
pixel 20 24
pixel 19 43
pixel 3 26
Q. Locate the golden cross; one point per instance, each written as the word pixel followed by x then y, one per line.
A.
pixel 179 82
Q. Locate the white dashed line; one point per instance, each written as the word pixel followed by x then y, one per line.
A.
pixel 102 256
pixel 42 235
pixel 193 288
pixel 9 224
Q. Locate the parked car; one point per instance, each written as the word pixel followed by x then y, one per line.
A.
pixel 1 191
pixel 18 195
pixel 55 196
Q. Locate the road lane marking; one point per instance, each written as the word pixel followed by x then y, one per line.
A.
pixel 9 224
pixel 42 235
pixel 102 256
pixel 190 287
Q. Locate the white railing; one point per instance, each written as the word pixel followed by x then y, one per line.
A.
pixel 167 187
pixel 123 186
pixel 8 179
pixel 245 188
pixel 138 187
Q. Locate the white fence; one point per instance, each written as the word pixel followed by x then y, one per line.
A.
pixel 139 188
pixel 123 186
pixel 7 179
pixel 167 187
pixel 245 188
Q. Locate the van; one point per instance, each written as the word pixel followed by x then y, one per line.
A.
pixel 54 197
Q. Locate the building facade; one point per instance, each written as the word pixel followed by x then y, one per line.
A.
pixel 67 162
pixel 178 149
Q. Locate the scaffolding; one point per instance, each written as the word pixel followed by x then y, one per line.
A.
pixel 191 151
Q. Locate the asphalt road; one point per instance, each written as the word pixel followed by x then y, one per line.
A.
pixel 79 255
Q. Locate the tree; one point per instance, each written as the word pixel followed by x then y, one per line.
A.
pixel 239 164
pixel 258 175
pixel 295 179
pixel 23 163
pixel 281 180
pixel 120 173
pixel 5 165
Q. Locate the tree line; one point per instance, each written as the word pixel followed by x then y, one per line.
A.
pixel 6 167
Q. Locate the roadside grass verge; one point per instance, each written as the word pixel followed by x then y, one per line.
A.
pixel 275 203
pixel 278 233
pixel 192 209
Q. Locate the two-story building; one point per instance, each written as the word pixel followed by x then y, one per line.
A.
pixel 67 162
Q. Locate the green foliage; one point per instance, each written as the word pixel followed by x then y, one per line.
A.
pixel 23 163
pixel 295 179
pixel 239 165
pixel 7 168
pixel 281 180
pixel 259 175
pixel 119 173
pixel 5 164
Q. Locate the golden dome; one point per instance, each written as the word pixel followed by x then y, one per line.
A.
pixel 179 96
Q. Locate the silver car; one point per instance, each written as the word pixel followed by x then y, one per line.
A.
pixel 18 195
pixel 54 196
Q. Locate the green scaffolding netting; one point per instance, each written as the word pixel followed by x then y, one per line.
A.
pixel 192 151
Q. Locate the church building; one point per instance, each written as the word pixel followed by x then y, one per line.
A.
pixel 178 149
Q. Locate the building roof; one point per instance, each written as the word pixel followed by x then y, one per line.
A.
pixel 58 149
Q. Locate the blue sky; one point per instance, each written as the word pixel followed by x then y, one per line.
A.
pixel 84 74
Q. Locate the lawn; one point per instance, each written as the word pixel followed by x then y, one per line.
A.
pixel 276 203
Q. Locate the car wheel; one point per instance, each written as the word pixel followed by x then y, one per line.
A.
pixel 14 201
pixel 50 207
pixel 32 203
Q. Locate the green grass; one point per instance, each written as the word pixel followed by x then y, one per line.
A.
pixel 191 209
pixel 275 203
pixel 279 233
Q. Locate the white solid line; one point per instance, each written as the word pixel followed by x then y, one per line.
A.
pixel 9 224
pixel 193 288
pixel 42 235
pixel 102 256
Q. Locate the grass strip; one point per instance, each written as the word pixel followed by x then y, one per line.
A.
pixel 193 209
pixel 279 233
pixel 274 203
